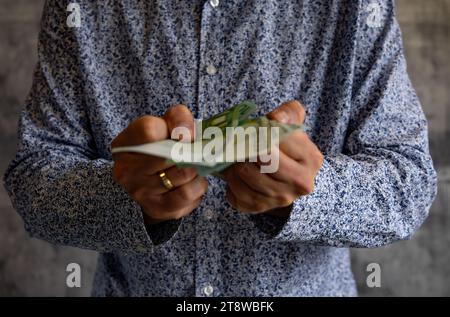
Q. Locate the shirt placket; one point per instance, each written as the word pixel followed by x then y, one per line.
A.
pixel 209 103
pixel 210 71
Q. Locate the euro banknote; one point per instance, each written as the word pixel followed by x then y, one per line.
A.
pixel 220 141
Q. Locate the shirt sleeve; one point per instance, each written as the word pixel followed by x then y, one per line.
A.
pixel 380 188
pixel 62 189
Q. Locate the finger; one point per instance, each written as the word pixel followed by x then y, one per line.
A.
pixel 297 174
pixel 300 148
pixel 242 207
pixel 144 186
pixel 161 214
pixel 180 116
pixel 143 130
pixel 251 175
pixel 245 206
pixel 177 176
pixel 290 112
pixel 142 163
pixel 297 146
pixel 146 129
pixel 131 168
pixel 185 194
pixel 248 200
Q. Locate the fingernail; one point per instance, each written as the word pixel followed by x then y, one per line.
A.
pixel 281 116
pixel 186 124
pixel 189 127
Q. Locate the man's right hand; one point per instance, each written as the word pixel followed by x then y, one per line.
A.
pixel 138 174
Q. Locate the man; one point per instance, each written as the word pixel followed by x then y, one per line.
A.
pixel 360 176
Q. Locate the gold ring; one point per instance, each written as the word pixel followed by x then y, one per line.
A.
pixel 165 180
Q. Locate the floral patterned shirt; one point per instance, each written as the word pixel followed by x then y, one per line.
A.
pixel 342 59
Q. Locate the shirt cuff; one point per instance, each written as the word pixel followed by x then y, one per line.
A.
pixel 268 225
pixel 143 238
pixel 307 219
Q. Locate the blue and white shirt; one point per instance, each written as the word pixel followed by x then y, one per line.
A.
pixel 342 59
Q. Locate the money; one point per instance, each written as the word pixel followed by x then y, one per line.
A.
pixel 220 141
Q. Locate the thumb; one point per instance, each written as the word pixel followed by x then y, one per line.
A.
pixel 290 112
pixel 180 116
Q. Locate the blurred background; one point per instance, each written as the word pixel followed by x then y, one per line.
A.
pixel 419 267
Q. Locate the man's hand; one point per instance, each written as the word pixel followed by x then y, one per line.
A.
pixel 251 191
pixel 139 174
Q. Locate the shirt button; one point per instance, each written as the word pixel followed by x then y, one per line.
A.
pixel 211 70
pixel 208 290
pixel 214 3
pixel 208 213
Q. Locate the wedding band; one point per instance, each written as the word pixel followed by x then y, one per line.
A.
pixel 165 180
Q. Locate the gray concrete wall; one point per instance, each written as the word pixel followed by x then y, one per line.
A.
pixel 420 267
pixel 30 267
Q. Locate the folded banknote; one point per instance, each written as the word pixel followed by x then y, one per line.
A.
pixel 224 139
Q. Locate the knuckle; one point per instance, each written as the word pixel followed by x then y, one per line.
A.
pixel 176 111
pixel 304 186
pixel 179 214
pixel 139 193
pixel 185 174
pixel 295 104
pixel 176 108
pixel 317 159
pixel 179 116
pixel 284 200
pixel 148 128
pixel 320 158
pixel 259 205
pixel 308 187
pixel 187 193
pixel 296 109
pixel 143 121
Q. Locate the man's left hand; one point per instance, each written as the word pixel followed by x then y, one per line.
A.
pixel 251 191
